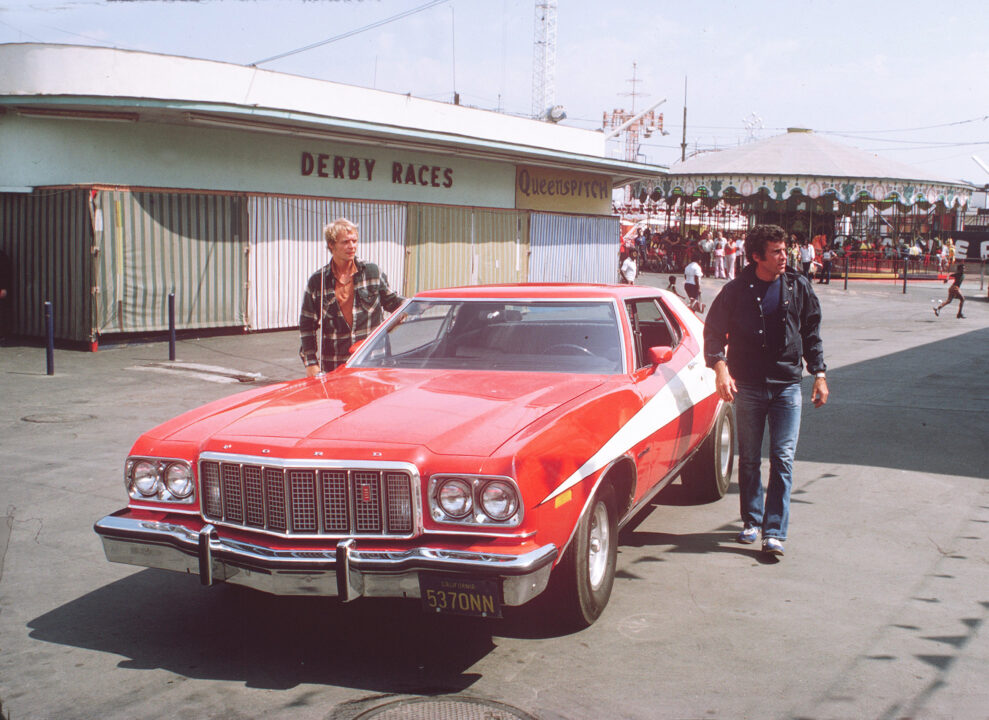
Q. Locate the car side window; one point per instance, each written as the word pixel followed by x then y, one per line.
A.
pixel 650 328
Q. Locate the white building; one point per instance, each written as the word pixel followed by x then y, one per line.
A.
pixel 128 175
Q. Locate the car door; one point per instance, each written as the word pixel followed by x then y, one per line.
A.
pixel 666 416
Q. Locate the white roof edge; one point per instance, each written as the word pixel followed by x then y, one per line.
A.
pixel 674 174
pixel 38 69
pixel 803 154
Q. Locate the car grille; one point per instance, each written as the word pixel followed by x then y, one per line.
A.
pixel 308 500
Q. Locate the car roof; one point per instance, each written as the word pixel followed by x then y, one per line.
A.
pixel 541 291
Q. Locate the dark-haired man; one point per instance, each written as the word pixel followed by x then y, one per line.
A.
pixel 770 320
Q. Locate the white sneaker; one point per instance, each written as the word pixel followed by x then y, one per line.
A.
pixel 748 536
pixel 772 546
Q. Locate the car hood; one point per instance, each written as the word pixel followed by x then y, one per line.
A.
pixel 450 413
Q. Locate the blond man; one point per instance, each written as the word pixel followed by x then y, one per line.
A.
pixel 344 301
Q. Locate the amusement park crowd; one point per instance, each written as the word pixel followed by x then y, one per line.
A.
pixel 720 254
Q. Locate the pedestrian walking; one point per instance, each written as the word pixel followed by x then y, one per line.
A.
pixel 806 258
pixel 731 252
pixel 954 291
pixel 706 246
pixel 641 243
pixel 793 253
pixel 827 258
pixel 344 301
pixel 719 256
pixel 628 269
pixel 692 275
pixel 769 319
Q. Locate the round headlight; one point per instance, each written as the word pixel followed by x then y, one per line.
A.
pixel 144 477
pixel 454 498
pixel 178 480
pixel 499 501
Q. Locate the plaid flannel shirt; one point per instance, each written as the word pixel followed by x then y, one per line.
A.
pixel 372 297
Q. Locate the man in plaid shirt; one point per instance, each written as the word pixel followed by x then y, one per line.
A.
pixel 353 295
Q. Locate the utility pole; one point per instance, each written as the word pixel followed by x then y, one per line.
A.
pixel 683 143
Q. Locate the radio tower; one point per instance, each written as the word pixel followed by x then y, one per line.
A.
pixel 544 58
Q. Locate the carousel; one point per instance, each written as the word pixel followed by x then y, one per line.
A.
pixel 812 187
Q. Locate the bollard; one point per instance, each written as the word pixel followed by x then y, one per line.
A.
pixel 50 334
pixel 846 271
pixel 171 326
pixel 906 262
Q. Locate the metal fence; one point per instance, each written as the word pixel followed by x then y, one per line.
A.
pixel 871 261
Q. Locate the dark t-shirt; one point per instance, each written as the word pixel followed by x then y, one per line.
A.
pixel 957 277
pixel 769 297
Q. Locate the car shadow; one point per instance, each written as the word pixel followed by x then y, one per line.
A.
pixel 155 619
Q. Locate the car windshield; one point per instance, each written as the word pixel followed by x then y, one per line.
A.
pixel 522 336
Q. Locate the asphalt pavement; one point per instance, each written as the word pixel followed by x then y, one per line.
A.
pixel 878 609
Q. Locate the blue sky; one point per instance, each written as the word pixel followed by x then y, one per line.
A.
pixel 907 80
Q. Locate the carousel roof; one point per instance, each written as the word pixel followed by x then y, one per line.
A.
pixel 801 161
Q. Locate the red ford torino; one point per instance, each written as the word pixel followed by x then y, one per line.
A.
pixel 483 446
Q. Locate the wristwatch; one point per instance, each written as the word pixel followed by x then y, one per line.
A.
pixel 821 375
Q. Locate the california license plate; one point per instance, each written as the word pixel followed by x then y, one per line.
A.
pixel 460 595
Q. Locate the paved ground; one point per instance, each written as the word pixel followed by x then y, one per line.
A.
pixel 878 610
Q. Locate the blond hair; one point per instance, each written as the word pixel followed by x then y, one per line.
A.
pixel 337 228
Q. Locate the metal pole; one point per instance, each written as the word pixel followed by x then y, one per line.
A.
pixel 846 269
pixel 50 333
pixel 171 326
pixel 683 143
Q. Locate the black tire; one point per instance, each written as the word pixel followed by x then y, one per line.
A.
pixel 708 474
pixel 582 581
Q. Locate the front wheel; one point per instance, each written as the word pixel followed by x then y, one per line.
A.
pixel 708 474
pixel 584 578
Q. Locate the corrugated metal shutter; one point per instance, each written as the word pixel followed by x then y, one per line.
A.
pixel 152 243
pixel 451 246
pixel 287 246
pixel 48 238
pixel 573 248
pixel 501 246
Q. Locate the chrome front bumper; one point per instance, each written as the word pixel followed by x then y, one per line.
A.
pixel 346 571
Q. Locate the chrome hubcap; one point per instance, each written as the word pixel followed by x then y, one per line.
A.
pixel 598 544
pixel 724 446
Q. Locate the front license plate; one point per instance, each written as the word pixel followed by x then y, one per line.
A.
pixel 460 595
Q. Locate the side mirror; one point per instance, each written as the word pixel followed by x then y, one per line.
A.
pixel 659 354
pixel 353 348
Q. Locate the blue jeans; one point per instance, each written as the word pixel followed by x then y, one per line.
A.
pixel 754 404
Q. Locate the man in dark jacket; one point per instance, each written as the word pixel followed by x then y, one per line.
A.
pixel 770 320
